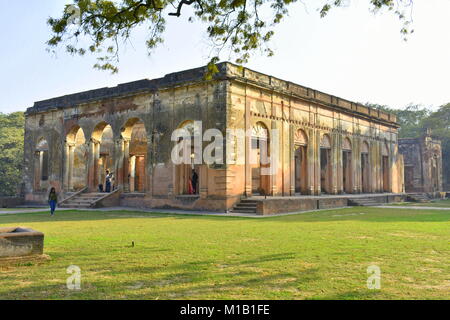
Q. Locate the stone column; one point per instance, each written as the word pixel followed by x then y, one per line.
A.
pixel 66 167
pixel 126 165
pixel 355 164
pixel 310 161
pixel 94 149
pixel 292 160
pixel 119 163
pixel 317 168
pixel 248 146
pixel 335 160
pixel 71 162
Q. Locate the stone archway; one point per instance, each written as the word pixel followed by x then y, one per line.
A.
pixel 259 159
pixel 301 161
pixel 187 173
pixel 134 136
pixel 102 153
pixel 76 155
pixel 41 165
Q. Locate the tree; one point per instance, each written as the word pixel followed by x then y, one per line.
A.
pixel 439 123
pixel 11 152
pixel 410 119
pixel 238 26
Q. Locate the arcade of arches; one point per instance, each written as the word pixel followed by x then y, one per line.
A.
pixel 324 145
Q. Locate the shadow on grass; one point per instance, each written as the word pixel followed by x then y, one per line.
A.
pixel 190 280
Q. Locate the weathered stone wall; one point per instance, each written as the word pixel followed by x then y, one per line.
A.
pixel 257 98
pixel 236 99
pixel 423 164
pixel 10 202
pixel 18 242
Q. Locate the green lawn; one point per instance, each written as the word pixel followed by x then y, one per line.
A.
pixel 20 209
pixel 435 203
pixel 322 255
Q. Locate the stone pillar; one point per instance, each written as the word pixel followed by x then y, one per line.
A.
pixel 310 161
pixel 132 174
pixel 335 159
pixel 126 165
pixel 276 150
pixel 248 146
pixel 292 160
pixel 316 147
pixel 96 164
pixel 356 163
pixel 119 163
pixel 203 183
pixel 71 163
pixel 66 167
pixel 94 150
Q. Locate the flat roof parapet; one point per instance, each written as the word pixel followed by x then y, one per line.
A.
pixel 227 70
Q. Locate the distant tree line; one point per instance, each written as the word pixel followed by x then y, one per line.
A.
pixel 11 152
pixel 415 120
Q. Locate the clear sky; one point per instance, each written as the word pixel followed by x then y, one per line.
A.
pixel 351 53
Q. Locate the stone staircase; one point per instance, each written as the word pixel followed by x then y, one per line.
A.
pixel 245 206
pixel 83 200
pixel 366 201
pixel 418 197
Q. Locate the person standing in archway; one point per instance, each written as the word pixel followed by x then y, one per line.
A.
pixel 108 181
pixel 194 181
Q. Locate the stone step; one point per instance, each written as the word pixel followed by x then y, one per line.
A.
pixel 244 208
pixel 75 206
pixel 243 211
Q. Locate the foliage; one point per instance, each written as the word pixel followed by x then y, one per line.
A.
pixel 439 123
pixel 410 119
pixel 239 26
pixel 11 152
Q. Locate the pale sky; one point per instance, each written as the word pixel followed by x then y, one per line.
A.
pixel 351 53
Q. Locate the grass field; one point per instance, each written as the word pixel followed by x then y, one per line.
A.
pixel 321 255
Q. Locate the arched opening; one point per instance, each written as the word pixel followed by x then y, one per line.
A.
pixel 41 165
pixel 260 159
pixel 135 134
pixel 325 164
pixel 347 166
pixel 103 149
pixel 187 174
pixel 301 162
pixel 76 159
pixel 365 168
pixel 385 167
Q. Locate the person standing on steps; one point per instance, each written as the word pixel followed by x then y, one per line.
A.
pixel 109 178
pixel 52 201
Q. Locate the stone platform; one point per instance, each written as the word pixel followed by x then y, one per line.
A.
pixel 20 242
pixel 275 205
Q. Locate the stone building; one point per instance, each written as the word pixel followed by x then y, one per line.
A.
pixel 423 163
pixel 324 144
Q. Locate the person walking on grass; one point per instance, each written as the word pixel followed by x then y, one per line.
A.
pixel 52 201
